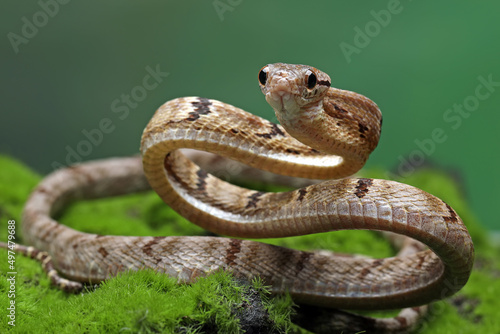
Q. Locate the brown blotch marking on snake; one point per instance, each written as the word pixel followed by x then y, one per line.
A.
pixel 42 190
pixel 295 260
pixel 299 266
pixel 380 127
pixel 232 251
pixel 363 273
pixel 315 151
pixel 235 131
pixel 29 252
pixel 421 261
pixel 302 193
pixel 196 188
pixel 403 322
pixel 202 179
pixel 339 109
pixel 324 83
pixel 452 218
pixel 362 129
pixel 362 187
pixel 147 248
pixel 275 131
pixel 376 263
pixel 253 199
pixel 168 168
pixel 292 151
pixel 103 251
pixel 74 240
pixel 49 231
pixel 202 108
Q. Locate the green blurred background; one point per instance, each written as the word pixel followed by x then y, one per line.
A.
pixel 66 65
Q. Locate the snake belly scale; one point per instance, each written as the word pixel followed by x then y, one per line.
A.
pixel 325 133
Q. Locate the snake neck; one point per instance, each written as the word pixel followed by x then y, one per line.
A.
pixel 331 128
pixel 305 125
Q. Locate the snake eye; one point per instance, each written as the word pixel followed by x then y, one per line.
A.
pixel 263 76
pixel 311 79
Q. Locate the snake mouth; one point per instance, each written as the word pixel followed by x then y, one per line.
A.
pixel 277 101
pixel 283 102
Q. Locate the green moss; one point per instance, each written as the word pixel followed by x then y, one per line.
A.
pixel 136 214
pixel 138 302
pixel 16 182
pixel 146 302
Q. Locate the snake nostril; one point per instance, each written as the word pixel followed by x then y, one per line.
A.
pixel 282 88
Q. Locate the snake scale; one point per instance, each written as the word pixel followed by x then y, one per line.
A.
pixel 325 133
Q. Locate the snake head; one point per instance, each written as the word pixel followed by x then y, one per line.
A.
pixel 288 88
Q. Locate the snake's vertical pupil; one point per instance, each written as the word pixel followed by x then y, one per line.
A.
pixel 311 79
pixel 263 76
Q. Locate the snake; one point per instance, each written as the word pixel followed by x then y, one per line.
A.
pixel 324 133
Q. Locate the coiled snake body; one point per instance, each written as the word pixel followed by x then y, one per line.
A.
pixel 326 133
